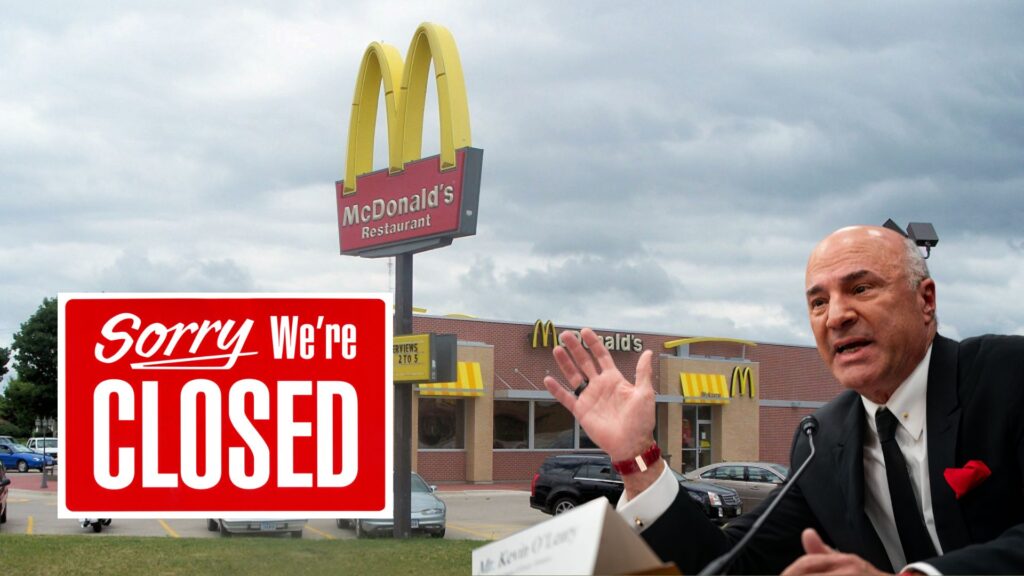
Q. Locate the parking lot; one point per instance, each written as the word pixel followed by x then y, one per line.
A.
pixel 474 513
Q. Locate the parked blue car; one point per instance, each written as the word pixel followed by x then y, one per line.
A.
pixel 21 458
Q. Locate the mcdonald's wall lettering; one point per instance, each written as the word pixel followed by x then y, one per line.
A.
pixel 545 335
pixel 742 382
pixel 416 203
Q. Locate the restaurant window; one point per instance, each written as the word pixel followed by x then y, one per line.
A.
pixel 553 426
pixel 511 425
pixel 585 442
pixel 442 423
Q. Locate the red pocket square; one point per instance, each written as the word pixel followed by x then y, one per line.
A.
pixel 963 480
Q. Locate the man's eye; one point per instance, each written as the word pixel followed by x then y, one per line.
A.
pixel 817 303
pixel 861 288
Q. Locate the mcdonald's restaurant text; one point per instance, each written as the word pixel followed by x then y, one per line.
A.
pixel 379 208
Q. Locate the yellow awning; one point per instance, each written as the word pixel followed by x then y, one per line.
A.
pixel 704 388
pixel 470 383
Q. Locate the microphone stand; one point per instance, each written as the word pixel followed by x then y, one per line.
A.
pixel 721 564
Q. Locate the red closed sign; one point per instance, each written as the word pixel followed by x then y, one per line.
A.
pixel 214 405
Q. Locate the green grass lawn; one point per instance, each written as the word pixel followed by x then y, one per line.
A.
pixel 111 556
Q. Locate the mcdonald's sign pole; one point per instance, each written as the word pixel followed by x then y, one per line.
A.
pixel 416 203
pixel 403 404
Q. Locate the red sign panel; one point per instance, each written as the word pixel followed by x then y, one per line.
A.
pixel 213 405
pixel 420 208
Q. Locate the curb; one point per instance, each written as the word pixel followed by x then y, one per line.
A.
pixel 31 481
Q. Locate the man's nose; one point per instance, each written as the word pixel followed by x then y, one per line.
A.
pixel 840 314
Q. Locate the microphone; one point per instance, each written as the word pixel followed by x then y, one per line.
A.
pixel 809 426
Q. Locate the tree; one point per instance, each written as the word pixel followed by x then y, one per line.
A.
pixel 21 405
pixel 5 357
pixel 35 360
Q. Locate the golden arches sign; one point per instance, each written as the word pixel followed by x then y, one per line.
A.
pixel 742 383
pixel 405 92
pixel 544 334
pixel 417 203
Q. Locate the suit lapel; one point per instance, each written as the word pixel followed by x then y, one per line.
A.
pixel 849 460
pixel 943 422
pixel 848 457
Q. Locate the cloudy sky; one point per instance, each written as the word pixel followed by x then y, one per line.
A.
pixel 648 166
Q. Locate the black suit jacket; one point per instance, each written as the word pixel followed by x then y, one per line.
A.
pixel 975 412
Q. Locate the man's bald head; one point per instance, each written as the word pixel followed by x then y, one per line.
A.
pixel 886 241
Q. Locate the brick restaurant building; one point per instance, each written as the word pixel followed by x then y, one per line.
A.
pixel 718 399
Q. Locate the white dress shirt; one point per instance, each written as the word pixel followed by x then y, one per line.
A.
pixel 909 404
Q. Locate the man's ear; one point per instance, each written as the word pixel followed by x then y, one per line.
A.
pixel 926 292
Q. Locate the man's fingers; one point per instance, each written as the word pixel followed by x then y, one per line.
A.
pixel 579 355
pixel 567 366
pixel 813 544
pixel 565 397
pixel 812 564
pixel 643 371
pixel 821 564
pixel 820 558
pixel 597 348
pixel 830 564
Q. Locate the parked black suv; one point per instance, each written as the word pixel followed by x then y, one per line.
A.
pixel 565 482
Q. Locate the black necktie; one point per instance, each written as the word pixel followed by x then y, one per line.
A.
pixel 917 545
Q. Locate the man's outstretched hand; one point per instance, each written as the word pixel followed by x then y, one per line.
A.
pixel 616 414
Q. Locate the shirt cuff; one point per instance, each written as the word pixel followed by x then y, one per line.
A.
pixel 649 505
pixel 922 567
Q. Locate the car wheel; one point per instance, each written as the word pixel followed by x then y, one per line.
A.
pixel 297 534
pixel 439 534
pixel 212 525
pixel 96 526
pixel 22 466
pixel 563 505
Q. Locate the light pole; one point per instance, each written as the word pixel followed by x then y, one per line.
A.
pixel 53 429
pixel 50 424
pixel 39 432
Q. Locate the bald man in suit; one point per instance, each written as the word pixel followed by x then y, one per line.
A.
pixel 918 408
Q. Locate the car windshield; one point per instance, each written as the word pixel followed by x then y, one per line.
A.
pixel 19 447
pixel 418 485
pixel 780 469
pixel 48 443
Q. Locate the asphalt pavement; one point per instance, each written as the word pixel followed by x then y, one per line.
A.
pixel 475 512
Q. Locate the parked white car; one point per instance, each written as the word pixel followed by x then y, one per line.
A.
pixel 46 445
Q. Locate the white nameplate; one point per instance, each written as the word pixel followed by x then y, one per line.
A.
pixel 591 539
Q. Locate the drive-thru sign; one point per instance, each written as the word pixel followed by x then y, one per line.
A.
pixel 214 405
